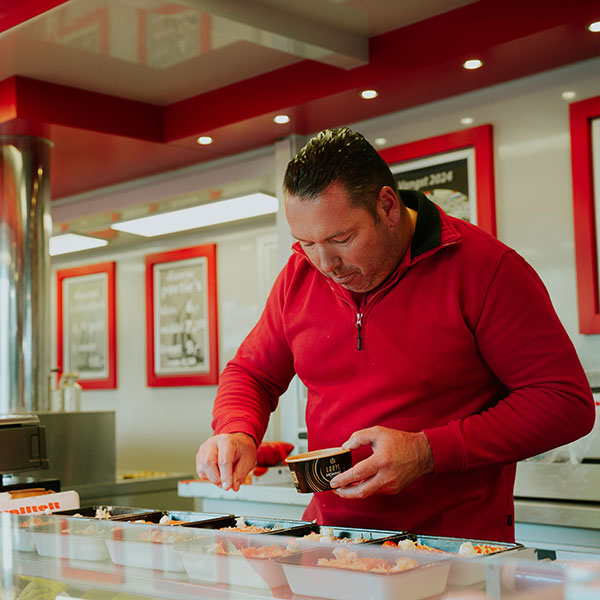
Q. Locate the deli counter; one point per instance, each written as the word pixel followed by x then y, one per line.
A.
pixel 123 553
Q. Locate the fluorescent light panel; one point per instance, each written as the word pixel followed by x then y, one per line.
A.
pixel 73 242
pixel 224 211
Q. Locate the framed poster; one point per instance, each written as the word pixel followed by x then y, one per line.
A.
pixel 181 317
pixel 455 170
pixel 86 324
pixel 584 120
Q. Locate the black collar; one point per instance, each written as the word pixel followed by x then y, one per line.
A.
pixel 428 229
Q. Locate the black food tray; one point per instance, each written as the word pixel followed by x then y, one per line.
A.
pixel 345 535
pixel 276 526
pixel 187 518
pixel 117 512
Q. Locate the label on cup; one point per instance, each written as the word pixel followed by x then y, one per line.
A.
pixel 313 471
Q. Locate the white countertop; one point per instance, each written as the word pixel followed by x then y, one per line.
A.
pixel 276 494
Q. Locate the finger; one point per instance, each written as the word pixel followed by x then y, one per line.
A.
pixel 360 490
pixel 241 469
pixel 206 463
pixel 363 437
pixel 362 470
pixel 227 456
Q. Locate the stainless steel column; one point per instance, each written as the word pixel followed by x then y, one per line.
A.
pixel 25 228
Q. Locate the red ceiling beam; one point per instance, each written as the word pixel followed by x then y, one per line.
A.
pixel 15 12
pixel 40 102
pixel 533 35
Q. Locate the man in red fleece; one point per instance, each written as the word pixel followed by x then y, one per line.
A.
pixel 427 346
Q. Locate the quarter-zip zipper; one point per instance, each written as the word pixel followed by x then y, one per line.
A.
pixel 359 317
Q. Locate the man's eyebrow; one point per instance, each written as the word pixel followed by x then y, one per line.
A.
pixel 337 234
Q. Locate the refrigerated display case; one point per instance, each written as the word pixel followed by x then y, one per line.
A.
pixel 66 556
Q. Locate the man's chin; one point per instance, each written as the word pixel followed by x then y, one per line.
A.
pixel 351 282
pixel 353 286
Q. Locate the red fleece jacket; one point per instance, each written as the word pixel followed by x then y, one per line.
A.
pixel 461 342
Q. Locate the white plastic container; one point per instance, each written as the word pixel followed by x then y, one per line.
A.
pixel 145 555
pixel 145 546
pixel 78 544
pixel 470 569
pixel 305 577
pixel 204 564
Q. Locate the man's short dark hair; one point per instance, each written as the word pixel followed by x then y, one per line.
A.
pixel 339 156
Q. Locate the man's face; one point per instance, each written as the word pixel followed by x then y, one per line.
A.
pixel 344 242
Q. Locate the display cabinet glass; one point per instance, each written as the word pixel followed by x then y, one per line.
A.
pixel 224 556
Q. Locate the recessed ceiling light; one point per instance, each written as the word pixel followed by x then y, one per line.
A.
pixel 224 211
pixel 204 140
pixel 281 119
pixel 380 141
pixel 473 63
pixel 73 242
pixel 368 94
pixel 594 27
pixel 569 95
pixel 467 120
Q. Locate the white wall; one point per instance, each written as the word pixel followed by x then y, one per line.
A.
pixel 161 428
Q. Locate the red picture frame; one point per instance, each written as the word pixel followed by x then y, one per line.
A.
pixel 181 317
pixel 480 139
pixel 584 122
pixel 86 324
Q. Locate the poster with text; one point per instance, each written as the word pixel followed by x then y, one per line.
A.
pixel 182 317
pixel 446 179
pixel 455 170
pixel 180 322
pixel 86 324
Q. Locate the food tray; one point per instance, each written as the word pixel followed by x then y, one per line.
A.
pixel 76 541
pixel 280 526
pixel 307 578
pixel 340 535
pixel 145 555
pixel 183 518
pixel 147 546
pixel 220 559
pixel 116 512
pixel 467 570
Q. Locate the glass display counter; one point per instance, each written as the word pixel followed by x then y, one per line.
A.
pixel 200 555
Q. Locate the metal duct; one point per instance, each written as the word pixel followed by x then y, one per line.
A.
pixel 25 228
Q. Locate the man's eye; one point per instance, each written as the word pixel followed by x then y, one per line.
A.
pixel 306 244
pixel 344 241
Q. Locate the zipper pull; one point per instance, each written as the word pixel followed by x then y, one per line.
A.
pixel 359 317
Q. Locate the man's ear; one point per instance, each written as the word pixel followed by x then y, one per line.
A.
pixel 388 206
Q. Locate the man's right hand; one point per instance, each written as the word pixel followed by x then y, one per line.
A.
pixel 226 459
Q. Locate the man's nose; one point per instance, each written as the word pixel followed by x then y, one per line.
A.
pixel 328 260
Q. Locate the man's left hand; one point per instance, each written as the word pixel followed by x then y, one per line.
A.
pixel 398 458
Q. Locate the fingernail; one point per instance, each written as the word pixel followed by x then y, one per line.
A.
pixel 226 485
